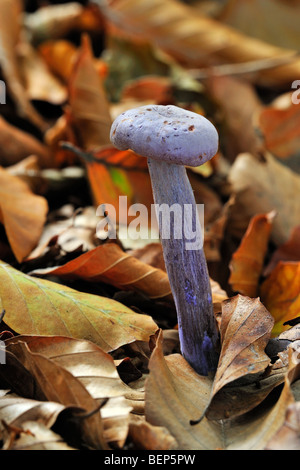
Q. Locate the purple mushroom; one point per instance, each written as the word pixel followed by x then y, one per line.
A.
pixel 172 138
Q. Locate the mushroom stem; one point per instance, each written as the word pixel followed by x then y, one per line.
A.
pixel 185 264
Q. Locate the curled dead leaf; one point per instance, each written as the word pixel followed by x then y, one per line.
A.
pixel 280 292
pixel 247 261
pixel 22 213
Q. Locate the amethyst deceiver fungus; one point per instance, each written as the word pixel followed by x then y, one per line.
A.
pixel 172 138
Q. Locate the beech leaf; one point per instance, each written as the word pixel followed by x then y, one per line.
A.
pixel 96 370
pixel 22 213
pixel 110 264
pixel 280 292
pixel 175 394
pixel 247 261
pixel 182 28
pixel 262 187
pixel 68 312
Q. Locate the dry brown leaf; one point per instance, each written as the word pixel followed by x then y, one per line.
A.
pixel 287 437
pixel 15 410
pixel 96 370
pixel 150 254
pixel 60 56
pixel 245 330
pixel 279 126
pixel 109 263
pixel 155 89
pixel 148 437
pixel 178 29
pixel 22 213
pixel 33 435
pixel 40 84
pixel 10 39
pixel 238 104
pixel 175 394
pixel 246 327
pixel 280 28
pixel 59 385
pixel 262 187
pixel 289 251
pixel 57 21
pixel 29 171
pixel 15 145
pixel 280 292
pixel 247 261
pixel 89 106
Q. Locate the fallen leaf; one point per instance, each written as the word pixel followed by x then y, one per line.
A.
pixel 156 89
pixel 280 293
pixel 182 28
pixel 245 330
pixel 254 19
pixel 39 82
pixel 289 251
pixel 53 21
pixel 66 311
pixel 175 394
pixel 88 102
pixel 150 254
pixel 238 104
pixel 148 437
pixel 247 261
pixel 61 55
pixel 110 264
pixel 16 411
pixel 29 171
pixel 96 370
pixel 287 437
pixel 22 213
pixel 113 173
pixel 10 39
pixel 15 145
pixel 262 187
pixel 280 130
pixel 35 436
pixel 59 385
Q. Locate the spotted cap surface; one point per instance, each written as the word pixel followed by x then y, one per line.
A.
pixel 166 133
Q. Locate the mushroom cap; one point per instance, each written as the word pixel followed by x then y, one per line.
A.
pixel 167 133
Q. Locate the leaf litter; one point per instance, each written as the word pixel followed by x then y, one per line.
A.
pixel 88 325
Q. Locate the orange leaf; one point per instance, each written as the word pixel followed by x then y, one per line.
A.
pixel 281 129
pixel 280 293
pixel 109 263
pixel 88 102
pixel 197 40
pixel 11 38
pixel 116 173
pixel 247 262
pixel 22 213
pixel 15 145
pixel 289 251
pixel 60 56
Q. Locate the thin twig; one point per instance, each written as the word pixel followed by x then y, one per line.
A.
pixel 242 68
pixel 90 157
